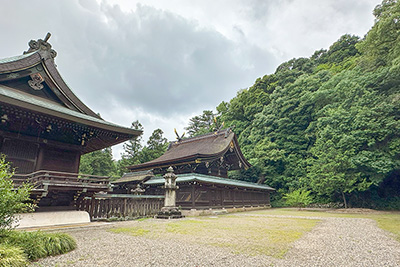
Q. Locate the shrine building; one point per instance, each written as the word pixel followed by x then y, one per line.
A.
pixel 45 128
pixel 201 164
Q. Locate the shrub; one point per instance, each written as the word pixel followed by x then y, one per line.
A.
pixel 298 198
pixel 11 256
pixel 59 243
pixel 11 201
pixel 39 244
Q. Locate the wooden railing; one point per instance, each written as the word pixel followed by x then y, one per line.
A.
pixel 64 177
pixel 121 206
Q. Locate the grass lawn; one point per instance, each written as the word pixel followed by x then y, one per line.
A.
pixel 250 235
pixel 390 223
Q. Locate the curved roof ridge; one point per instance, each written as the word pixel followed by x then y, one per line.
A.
pixel 202 136
pixel 15 58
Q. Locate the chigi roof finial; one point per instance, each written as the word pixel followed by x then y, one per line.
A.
pixel 178 137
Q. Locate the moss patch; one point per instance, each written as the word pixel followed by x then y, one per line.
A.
pixel 251 235
pixel 135 231
pixel 390 223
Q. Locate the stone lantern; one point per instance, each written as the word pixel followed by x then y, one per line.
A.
pixel 170 211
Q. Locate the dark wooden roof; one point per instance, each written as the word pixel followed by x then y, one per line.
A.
pixel 31 83
pixel 135 177
pixel 201 149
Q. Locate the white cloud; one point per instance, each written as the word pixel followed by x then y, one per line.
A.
pixel 162 62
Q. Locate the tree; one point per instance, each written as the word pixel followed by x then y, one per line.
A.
pixel 12 200
pixel 382 43
pixel 156 146
pixel 342 49
pixel 132 151
pixel 98 163
pixel 133 147
pixel 201 124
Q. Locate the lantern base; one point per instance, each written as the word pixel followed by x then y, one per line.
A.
pixel 169 213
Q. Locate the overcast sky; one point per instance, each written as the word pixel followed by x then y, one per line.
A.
pixel 163 62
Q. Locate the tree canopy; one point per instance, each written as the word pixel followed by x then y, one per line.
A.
pixel 102 163
pixel 328 123
pixel 136 153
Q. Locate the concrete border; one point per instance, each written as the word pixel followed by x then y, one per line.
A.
pixel 51 218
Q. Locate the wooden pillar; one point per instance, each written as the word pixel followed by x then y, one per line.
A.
pixel 39 161
pixel 124 212
pixel 222 196
pixel 77 162
pixel 193 196
pixel 91 209
pixel 209 196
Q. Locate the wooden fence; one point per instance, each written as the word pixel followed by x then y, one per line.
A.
pixel 121 206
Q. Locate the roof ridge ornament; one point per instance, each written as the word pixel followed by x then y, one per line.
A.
pixel 229 130
pixel 41 45
pixel 218 127
pixel 179 137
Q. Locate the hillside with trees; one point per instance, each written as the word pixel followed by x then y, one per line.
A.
pixel 328 124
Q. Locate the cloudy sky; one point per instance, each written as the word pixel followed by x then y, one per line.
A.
pixel 163 62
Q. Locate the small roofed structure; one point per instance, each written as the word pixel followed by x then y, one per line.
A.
pixel 202 164
pixel 45 128
pixel 130 182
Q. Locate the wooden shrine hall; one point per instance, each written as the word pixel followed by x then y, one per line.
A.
pixel 201 164
pixel 45 128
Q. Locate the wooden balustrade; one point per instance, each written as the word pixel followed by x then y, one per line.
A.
pixel 64 177
pixel 121 206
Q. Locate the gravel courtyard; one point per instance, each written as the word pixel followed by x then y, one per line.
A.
pixel 332 242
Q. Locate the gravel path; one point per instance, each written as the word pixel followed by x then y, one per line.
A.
pixel 333 242
pixel 344 242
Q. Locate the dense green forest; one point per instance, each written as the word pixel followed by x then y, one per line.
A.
pixel 328 124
